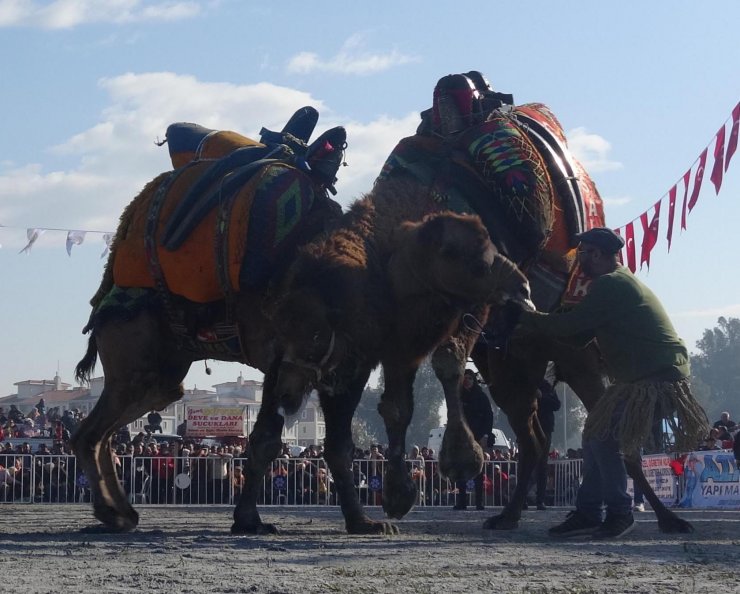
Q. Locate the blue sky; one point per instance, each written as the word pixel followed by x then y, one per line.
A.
pixel 88 86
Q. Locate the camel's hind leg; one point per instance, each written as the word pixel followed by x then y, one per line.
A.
pixel 138 379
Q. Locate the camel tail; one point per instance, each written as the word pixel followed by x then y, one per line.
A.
pixel 85 367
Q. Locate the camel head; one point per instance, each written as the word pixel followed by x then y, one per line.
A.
pixel 453 255
pixel 307 330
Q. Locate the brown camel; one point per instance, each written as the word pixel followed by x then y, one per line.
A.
pixel 394 306
pixel 284 334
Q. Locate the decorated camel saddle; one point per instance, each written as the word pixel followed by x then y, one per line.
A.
pixel 231 213
pixel 510 164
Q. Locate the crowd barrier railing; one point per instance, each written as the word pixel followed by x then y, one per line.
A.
pixel 167 480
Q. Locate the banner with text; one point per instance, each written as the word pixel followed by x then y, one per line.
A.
pixel 660 475
pixel 712 480
pixel 215 421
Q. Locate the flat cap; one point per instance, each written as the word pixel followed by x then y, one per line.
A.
pixel 603 238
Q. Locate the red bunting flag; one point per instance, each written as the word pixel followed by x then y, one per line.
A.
pixel 732 142
pixel 671 214
pixel 686 177
pixel 719 158
pixel 629 246
pixel 698 177
pixel 649 234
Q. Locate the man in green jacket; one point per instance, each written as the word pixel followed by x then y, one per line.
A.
pixel 648 365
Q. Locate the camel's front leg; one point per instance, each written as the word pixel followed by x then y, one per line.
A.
pixel 460 457
pixel 265 443
pixel 396 408
pixel 339 407
pixel 513 383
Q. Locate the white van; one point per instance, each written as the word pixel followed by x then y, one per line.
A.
pixel 435 440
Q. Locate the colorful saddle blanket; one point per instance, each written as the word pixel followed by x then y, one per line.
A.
pixel 247 232
pixel 514 170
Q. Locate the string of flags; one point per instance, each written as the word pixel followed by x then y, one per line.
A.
pixel 74 237
pixel 651 225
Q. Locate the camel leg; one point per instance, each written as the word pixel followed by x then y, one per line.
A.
pixel 513 383
pixel 396 408
pixel 460 457
pixel 668 521
pixel 265 444
pixel 338 449
pixel 129 392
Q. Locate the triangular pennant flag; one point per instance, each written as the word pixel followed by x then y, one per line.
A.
pixel 649 234
pixel 107 240
pixel 686 177
pixel 629 246
pixel 32 235
pixel 698 177
pixel 74 238
pixel 732 141
pixel 719 158
pixel 671 214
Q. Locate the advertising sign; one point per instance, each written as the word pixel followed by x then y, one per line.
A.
pixel 712 480
pixel 660 475
pixel 215 421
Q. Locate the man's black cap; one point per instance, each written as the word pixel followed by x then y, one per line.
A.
pixel 603 238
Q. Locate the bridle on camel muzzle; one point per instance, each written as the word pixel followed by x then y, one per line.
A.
pixel 316 368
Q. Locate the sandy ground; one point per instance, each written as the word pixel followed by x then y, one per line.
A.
pixel 191 550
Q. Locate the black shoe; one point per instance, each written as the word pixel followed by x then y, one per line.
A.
pixel 576 524
pixel 480 507
pixel 541 506
pixel 459 507
pixel 525 506
pixel 615 526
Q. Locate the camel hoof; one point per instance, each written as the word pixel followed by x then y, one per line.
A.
pixel 500 522
pixel 399 496
pixel 467 464
pixel 675 525
pixel 254 529
pixel 113 521
pixel 368 526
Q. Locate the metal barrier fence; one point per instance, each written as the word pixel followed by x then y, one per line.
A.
pixel 167 480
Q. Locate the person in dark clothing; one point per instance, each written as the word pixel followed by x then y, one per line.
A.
pixel 479 417
pixel 154 420
pixel 547 404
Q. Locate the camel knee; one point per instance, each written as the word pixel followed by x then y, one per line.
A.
pixel 448 363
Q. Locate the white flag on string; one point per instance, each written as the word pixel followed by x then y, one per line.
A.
pixel 107 239
pixel 74 238
pixel 33 235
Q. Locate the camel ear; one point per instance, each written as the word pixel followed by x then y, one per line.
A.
pixel 404 233
pixel 431 232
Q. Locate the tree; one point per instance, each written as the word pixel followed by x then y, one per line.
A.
pixel 428 397
pixel 715 368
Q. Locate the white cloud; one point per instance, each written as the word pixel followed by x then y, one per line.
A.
pixel 592 150
pixel 66 14
pixel 351 59
pixel 114 158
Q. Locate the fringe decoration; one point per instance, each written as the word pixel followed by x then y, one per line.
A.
pixel 627 413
